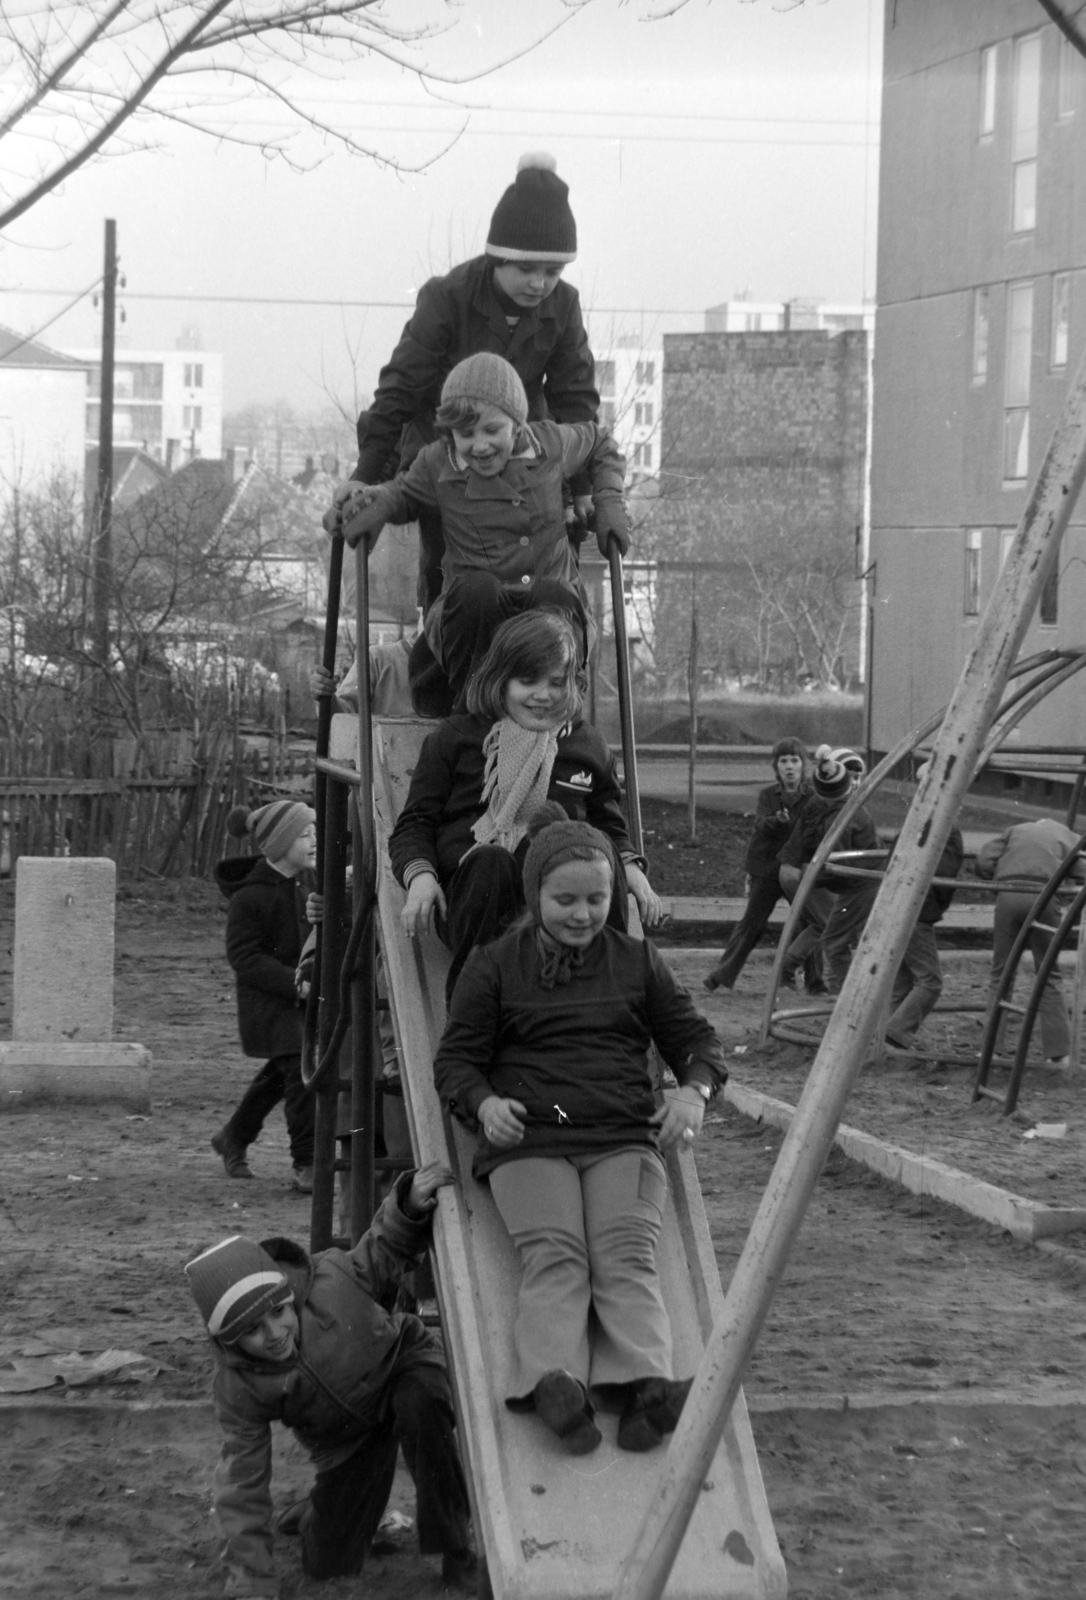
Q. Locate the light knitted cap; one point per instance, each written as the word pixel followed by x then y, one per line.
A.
pixel 273 828
pixel 489 380
pixel 558 839
pixel 532 220
pixel 234 1284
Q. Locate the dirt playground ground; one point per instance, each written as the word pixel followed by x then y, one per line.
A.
pixel 917 1394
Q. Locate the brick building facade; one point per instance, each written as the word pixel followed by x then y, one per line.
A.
pixel 762 486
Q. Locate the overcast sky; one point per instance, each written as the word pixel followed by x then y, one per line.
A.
pixel 731 146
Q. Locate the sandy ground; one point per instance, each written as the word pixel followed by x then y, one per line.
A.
pixel 955 1470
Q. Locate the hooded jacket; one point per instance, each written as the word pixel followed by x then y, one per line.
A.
pixel 332 1392
pixel 265 931
pixel 456 316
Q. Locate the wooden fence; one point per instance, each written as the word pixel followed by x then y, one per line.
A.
pixel 157 827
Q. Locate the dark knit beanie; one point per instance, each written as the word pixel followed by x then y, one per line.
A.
pixel 532 220
pixel 556 839
pixel 490 380
pixel 234 1284
pixel 831 778
pixel 851 760
pixel 273 828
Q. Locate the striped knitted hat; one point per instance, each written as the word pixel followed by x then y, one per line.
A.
pixel 273 828
pixel 532 220
pixel 234 1284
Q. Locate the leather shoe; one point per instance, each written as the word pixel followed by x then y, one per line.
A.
pixel 302 1179
pixel 233 1154
pixel 651 1411
pixel 561 1404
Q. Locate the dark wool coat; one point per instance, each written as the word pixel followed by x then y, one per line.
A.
pixel 456 316
pixel 812 828
pixel 333 1390
pixel 446 793
pixel 777 813
pixel 582 1047
pixel 265 931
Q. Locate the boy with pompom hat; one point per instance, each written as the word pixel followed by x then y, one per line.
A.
pixel 511 301
pixel 306 1341
pixel 496 482
pixel 265 931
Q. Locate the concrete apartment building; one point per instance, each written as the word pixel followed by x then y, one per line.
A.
pixel 169 402
pixel 981 322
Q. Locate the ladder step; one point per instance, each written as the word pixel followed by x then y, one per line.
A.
pixel 1009 1005
pixel 1045 927
pixel 990 1094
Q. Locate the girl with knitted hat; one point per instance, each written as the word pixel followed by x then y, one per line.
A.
pixel 460 839
pixel 265 931
pixel 509 300
pixel 496 482
pixel 546 1053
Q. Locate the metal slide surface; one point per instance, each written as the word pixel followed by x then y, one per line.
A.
pixel 553 1526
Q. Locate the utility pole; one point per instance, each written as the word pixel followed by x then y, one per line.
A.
pixel 103 530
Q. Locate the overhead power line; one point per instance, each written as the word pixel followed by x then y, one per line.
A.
pixel 347 305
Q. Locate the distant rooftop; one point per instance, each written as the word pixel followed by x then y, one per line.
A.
pixel 16 350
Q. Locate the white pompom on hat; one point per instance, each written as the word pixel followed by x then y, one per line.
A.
pixel 532 221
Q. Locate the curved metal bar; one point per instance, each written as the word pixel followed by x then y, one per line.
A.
pixel 1028 701
pixel 1064 929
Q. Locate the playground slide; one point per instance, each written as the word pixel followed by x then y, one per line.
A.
pixel 553 1526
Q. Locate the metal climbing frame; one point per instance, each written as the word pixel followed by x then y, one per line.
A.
pixel 1031 681
pixel 343 1005
pixel 1068 927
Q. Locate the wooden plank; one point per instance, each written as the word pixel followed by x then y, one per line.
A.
pixel 546 1538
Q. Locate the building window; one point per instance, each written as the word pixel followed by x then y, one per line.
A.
pixel 606 371
pixel 1006 539
pixel 1016 390
pixel 192 418
pixel 194 376
pixel 1061 320
pixel 607 414
pixel 1049 608
pixel 643 416
pixel 1065 81
pixel 971 600
pixel 646 372
pixel 980 336
pixel 1027 108
pixel 986 123
pixel 642 456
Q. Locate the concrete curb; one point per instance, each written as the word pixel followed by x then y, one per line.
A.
pixel 1028 1220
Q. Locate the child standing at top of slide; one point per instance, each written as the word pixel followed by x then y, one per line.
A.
pixel 496 481
pixel 510 301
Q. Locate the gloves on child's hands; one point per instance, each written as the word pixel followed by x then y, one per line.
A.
pixel 612 523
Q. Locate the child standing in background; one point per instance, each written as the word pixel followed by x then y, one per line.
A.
pixel 266 928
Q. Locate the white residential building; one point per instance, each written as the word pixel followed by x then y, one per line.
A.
pixel 743 315
pixel 167 401
pixel 42 395
pixel 629 376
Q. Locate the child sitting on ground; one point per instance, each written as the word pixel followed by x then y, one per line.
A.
pixel 307 1342
pixel 460 838
pixel 496 482
pixel 546 1051
pixel 266 929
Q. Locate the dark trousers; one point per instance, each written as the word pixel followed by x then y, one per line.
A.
pixel 764 894
pixel 278 1079
pixel 485 895
pixel 347 1501
pixel 917 986
pixel 842 934
pixel 475 604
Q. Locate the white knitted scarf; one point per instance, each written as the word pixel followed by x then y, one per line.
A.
pixel 516 779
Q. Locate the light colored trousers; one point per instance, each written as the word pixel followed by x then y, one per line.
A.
pixel 1011 910
pixel 586 1228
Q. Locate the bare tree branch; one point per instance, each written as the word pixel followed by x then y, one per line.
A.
pixel 85 70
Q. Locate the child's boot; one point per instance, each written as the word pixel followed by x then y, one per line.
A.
pixel 233 1153
pixel 561 1403
pixel 652 1410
